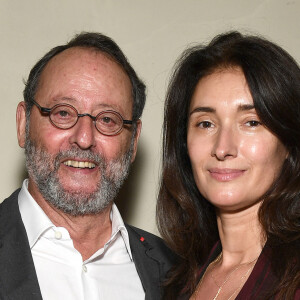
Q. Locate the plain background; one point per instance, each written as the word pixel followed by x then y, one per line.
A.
pixel 152 33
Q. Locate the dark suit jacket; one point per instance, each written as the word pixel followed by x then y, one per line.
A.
pixel 18 279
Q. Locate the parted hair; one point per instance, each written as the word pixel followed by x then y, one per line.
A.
pixel 186 220
pixel 98 42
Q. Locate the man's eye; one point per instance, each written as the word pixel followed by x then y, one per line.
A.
pixel 63 113
pixel 106 120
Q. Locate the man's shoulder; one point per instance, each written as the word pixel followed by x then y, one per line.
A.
pixel 9 211
pixel 152 258
pixel 149 240
pixel 140 233
pixel 10 201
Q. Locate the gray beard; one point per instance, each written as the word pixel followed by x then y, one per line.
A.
pixel 43 169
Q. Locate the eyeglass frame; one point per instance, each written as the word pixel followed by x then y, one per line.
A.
pixel 94 118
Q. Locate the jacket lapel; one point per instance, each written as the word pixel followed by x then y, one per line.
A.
pixel 18 278
pixel 148 264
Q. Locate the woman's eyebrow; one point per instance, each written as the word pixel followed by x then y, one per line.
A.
pixel 245 107
pixel 203 109
pixel 242 107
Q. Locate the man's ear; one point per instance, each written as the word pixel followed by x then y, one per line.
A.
pixel 136 139
pixel 21 123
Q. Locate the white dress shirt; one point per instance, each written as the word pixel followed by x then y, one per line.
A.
pixel 108 274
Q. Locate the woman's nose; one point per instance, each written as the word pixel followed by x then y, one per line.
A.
pixel 225 145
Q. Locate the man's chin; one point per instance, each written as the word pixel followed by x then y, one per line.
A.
pixel 78 202
pixel 79 191
pixel 79 188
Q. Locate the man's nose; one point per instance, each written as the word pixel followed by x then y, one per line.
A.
pixel 225 144
pixel 83 133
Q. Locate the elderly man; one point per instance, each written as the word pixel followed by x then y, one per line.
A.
pixel 61 235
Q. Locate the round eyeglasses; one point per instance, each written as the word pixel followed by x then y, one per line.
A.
pixel 65 116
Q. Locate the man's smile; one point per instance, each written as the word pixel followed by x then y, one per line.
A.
pixel 79 164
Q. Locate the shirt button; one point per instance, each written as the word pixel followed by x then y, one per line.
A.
pixel 58 235
pixel 84 268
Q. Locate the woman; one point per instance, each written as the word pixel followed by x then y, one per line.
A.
pixel 230 191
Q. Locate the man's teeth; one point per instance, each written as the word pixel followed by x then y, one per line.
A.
pixel 79 164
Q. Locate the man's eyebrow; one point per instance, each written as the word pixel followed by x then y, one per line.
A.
pixel 74 101
pixel 202 109
pixel 61 99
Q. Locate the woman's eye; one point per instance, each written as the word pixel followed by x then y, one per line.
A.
pixel 253 123
pixel 205 124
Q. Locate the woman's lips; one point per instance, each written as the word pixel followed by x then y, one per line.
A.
pixel 225 174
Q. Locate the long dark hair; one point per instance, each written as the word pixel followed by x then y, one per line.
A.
pixel 186 220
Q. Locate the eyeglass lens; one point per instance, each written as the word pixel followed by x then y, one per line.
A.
pixel 65 116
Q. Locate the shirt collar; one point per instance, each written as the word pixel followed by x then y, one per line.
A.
pixel 36 222
pixel 119 226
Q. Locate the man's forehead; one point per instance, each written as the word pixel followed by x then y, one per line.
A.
pixel 84 74
pixel 83 54
pixel 79 63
